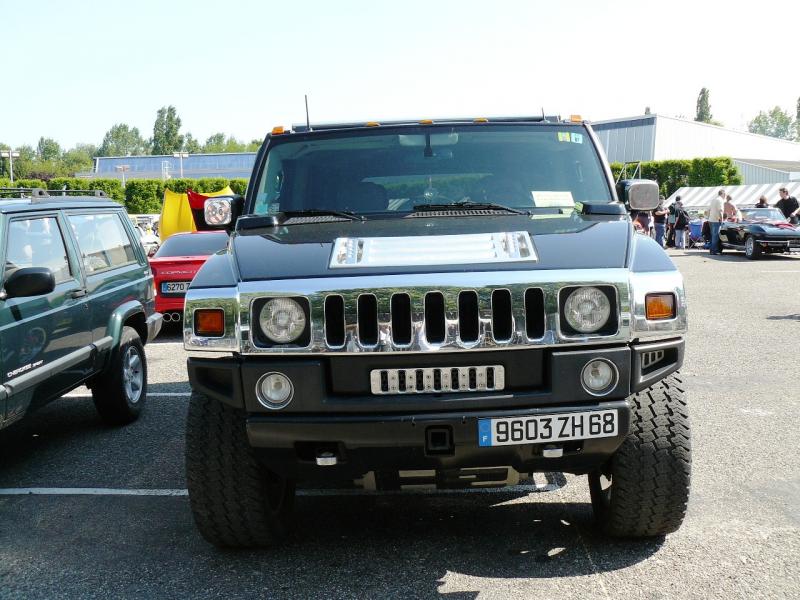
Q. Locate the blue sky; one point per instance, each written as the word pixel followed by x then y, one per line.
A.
pixel 241 67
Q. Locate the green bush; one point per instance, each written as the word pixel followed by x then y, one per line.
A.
pixel 239 186
pixel 209 184
pixel 5 182
pixel 674 174
pixel 30 183
pixel 112 187
pixel 144 196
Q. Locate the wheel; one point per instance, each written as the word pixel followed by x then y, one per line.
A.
pixel 643 490
pixel 751 249
pixel 235 501
pixel 119 393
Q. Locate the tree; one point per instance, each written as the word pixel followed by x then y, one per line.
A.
pixel 191 145
pixel 703 107
pixel 122 140
pixel 253 146
pixel 166 131
pixel 48 149
pixel 215 143
pixel 775 123
pixel 79 158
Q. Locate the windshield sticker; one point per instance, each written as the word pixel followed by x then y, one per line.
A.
pixel 576 138
pixel 551 199
pixel 563 136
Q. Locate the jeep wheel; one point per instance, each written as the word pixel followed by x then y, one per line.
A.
pixel 236 502
pixel 751 249
pixel 643 490
pixel 120 392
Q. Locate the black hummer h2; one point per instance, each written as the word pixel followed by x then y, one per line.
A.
pixel 456 303
pixel 76 304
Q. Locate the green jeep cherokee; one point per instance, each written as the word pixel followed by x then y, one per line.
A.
pixel 76 304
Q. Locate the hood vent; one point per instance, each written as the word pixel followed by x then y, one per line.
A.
pixel 475 248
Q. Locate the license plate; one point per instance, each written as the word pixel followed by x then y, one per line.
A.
pixel 174 287
pixel 562 427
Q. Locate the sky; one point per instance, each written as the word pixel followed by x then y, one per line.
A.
pixel 71 70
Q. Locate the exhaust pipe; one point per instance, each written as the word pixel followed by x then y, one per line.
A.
pixel 173 317
pixel 167 317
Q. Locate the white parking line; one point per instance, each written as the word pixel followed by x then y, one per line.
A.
pixel 44 491
pixel 149 394
pixel 782 271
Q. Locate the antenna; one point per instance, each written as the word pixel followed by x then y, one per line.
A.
pixel 543 117
pixel 308 121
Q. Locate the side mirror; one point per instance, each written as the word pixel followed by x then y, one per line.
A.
pixel 221 212
pixel 30 281
pixel 638 194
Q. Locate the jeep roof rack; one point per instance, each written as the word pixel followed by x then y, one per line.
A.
pixel 303 127
pixel 43 195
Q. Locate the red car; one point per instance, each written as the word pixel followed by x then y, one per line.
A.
pixel 175 265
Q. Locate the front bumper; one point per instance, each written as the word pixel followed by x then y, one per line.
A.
pixel 375 433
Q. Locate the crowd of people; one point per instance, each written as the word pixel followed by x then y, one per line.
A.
pixel 670 225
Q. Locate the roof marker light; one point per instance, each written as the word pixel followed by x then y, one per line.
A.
pixel 481 120
pixel 278 130
pixel 575 118
pixel 426 122
pixel 372 124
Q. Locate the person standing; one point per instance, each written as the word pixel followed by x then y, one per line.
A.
pixel 730 211
pixel 671 224
pixel 788 205
pixel 660 221
pixel 715 215
pixel 681 223
pixel 762 202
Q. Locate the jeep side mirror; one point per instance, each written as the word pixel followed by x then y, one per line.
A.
pixel 30 281
pixel 638 194
pixel 221 212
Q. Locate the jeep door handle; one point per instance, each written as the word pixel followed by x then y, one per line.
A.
pixel 78 293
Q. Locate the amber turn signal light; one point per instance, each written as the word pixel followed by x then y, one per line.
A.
pixel 659 306
pixel 209 322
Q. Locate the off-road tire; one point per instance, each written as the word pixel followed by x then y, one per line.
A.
pixel 111 395
pixel 650 472
pixel 751 249
pixel 235 501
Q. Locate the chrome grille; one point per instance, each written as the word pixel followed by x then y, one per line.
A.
pixel 437 379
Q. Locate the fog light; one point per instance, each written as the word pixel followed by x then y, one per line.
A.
pixel 274 390
pixel 599 377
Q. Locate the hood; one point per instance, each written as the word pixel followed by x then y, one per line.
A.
pixel 560 242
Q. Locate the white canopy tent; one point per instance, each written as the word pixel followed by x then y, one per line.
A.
pixel 743 196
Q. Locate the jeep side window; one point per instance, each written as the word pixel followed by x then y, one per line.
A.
pixel 37 243
pixel 103 241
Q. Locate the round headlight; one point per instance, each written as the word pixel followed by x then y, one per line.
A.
pixel 282 320
pixel 274 390
pixel 587 309
pixel 598 377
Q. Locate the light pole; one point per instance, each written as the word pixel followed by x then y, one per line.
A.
pixel 10 155
pixel 181 156
pixel 124 169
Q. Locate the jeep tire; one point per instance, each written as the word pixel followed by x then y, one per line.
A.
pixel 236 502
pixel 643 489
pixel 119 393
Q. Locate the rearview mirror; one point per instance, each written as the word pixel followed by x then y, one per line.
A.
pixel 30 281
pixel 638 194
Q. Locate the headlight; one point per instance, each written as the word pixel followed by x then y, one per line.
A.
pixel 282 320
pixel 587 309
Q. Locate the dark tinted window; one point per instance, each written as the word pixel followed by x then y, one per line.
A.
pixel 37 243
pixel 390 171
pixel 193 244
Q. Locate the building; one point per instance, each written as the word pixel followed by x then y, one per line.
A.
pixel 761 159
pixel 231 165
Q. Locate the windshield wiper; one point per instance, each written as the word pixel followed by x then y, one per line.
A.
pixel 465 205
pixel 322 212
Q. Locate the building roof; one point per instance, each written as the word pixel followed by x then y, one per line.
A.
pixel 789 166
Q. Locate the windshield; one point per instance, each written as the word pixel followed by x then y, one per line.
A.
pixel 762 214
pixel 193 244
pixel 381 173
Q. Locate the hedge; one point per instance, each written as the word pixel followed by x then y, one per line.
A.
pixel 674 174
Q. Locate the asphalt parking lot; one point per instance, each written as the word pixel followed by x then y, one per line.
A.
pixel 127 531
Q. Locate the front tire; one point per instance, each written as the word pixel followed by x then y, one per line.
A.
pixel 235 501
pixel 751 249
pixel 120 392
pixel 644 489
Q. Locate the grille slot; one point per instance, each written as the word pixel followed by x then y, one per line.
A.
pixel 534 313
pixel 502 321
pixel 334 321
pixel 368 320
pixel 401 319
pixel 437 380
pixel 468 316
pixel 434 318
pixel 652 358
